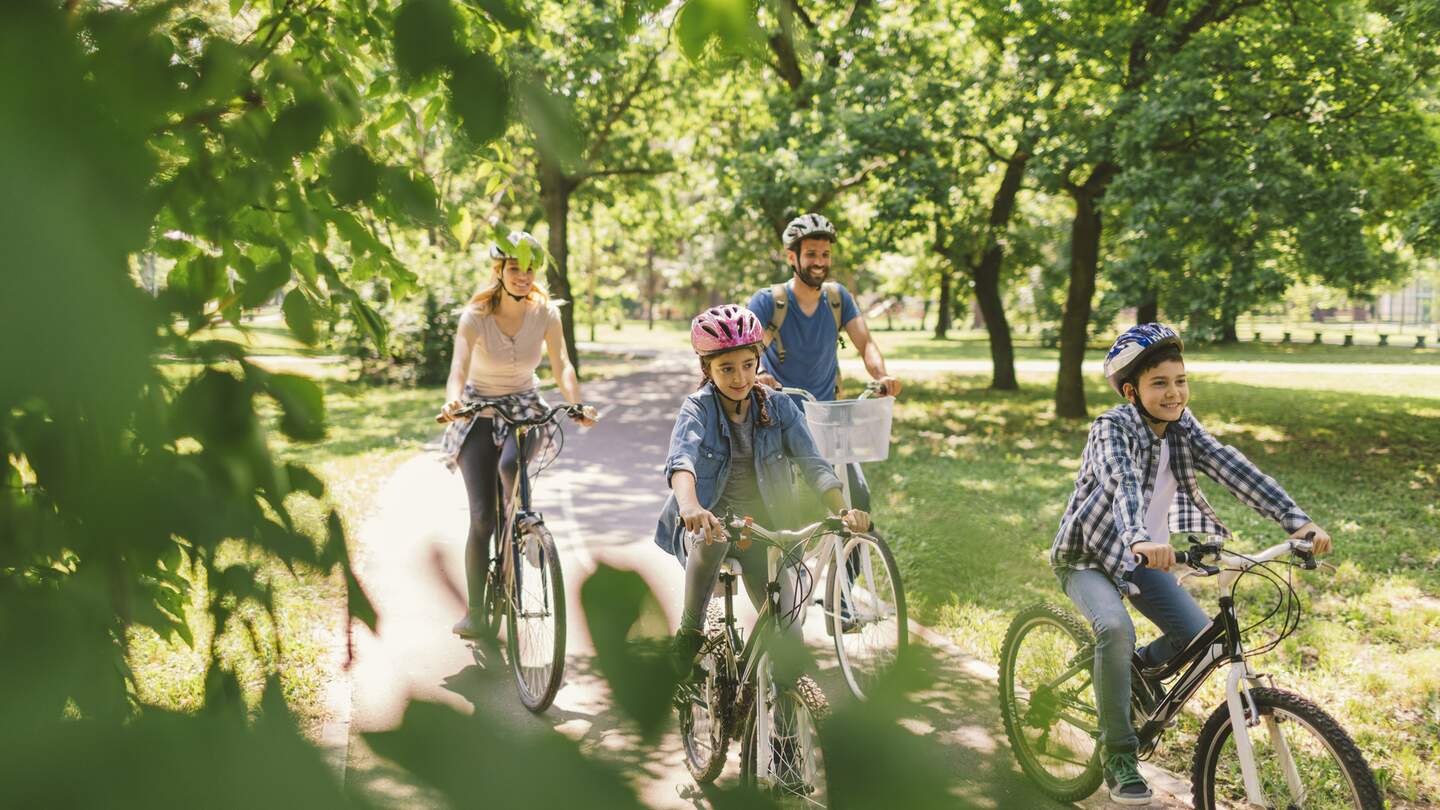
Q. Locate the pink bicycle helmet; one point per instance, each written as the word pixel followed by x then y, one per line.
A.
pixel 722 328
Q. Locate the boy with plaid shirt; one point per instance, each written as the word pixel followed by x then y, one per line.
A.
pixel 1136 485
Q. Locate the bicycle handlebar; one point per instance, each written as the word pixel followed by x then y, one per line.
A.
pixel 1198 552
pixel 574 411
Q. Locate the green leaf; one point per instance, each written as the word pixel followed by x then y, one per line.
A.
pixel 301 403
pixel 354 177
pixel 641 678
pixel 694 26
pixel 303 480
pixel 480 95
pixel 261 285
pixel 297 129
pixel 337 553
pixel 503 12
pixel 299 316
pixel 425 37
pixel 413 196
pixel 462 227
pixel 369 322
pixel 394 114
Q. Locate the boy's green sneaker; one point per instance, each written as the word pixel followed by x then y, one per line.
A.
pixel 1122 776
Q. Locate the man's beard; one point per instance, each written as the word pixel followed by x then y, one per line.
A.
pixel 806 278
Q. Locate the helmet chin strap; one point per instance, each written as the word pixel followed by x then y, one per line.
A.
pixel 721 394
pixel 1150 417
pixel 513 296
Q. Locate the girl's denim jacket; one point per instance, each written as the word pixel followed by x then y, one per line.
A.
pixel 700 444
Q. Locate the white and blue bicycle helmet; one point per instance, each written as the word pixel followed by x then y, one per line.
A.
pixel 1132 346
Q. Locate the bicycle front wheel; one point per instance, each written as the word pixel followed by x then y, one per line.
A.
pixel 865 611
pixel 1303 758
pixel 705 705
pixel 1047 700
pixel 781 751
pixel 536 637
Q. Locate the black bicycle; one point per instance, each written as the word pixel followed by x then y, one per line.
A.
pixel 1289 752
pixel 523 584
pixel 776 717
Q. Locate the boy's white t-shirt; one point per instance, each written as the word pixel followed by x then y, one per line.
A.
pixel 1157 512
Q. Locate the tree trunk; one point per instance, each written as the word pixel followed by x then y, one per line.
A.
pixel 1075 326
pixel 1229 313
pixel 555 191
pixel 987 276
pixel 942 321
pixel 1148 311
pixel 987 296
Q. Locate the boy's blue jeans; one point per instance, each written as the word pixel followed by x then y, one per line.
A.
pixel 1162 601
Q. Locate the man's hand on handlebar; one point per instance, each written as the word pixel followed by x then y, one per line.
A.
pixel 889 386
pixel 768 379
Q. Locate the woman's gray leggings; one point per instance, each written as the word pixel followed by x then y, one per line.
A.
pixel 702 571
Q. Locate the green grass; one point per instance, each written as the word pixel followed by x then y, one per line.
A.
pixel 977 480
pixel 371 431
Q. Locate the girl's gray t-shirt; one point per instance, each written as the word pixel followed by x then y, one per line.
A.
pixel 742 488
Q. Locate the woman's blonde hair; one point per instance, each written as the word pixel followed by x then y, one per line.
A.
pixel 484 301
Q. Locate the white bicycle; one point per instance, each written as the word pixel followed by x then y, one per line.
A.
pixel 863 598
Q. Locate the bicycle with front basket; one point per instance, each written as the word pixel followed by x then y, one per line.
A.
pixel 863 597
pixel 777 719
pixel 523 586
pixel 1289 753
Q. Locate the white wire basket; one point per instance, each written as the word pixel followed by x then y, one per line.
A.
pixel 851 431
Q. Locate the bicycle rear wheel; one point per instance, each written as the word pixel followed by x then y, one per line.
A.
pixel 788 762
pixel 1328 769
pixel 1047 700
pixel 536 637
pixel 865 611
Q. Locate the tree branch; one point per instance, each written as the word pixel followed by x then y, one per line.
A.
pixel 648 171
pixel 853 180
pixel 994 153
pixel 622 106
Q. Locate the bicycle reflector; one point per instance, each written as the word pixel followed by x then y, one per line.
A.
pixel 744 542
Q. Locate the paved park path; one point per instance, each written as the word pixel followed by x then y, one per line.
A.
pixel 600 501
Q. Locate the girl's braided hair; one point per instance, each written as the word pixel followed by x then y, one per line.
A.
pixel 762 392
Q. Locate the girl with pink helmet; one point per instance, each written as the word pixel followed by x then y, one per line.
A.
pixel 733 449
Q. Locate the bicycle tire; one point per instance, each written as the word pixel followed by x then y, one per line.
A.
pixel 1274 704
pixel 857 679
pixel 812 709
pixel 537 661
pixel 1058 787
pixel 705 758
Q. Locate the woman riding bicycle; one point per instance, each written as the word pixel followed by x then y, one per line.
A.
pixel 497 349
pixel 731 449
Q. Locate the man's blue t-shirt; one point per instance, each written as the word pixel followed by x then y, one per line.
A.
pixel 811 357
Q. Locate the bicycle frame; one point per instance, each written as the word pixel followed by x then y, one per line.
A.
pixel 517 513
pixel 751 662
pixel 1219 644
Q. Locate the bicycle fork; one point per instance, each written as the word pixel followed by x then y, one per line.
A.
pixel 1245 715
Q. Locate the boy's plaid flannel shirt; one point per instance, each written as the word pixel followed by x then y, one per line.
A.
pixel 1106 513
